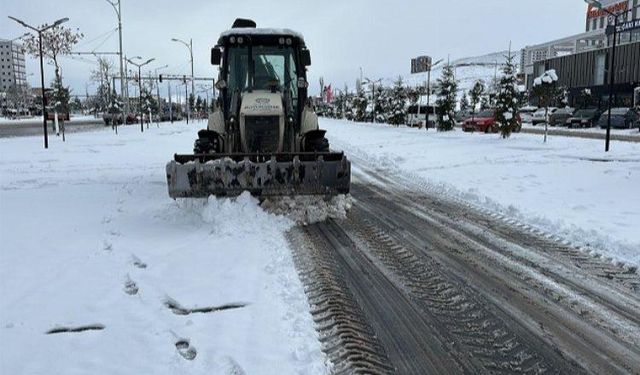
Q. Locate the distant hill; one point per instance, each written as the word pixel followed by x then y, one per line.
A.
pixel 468 71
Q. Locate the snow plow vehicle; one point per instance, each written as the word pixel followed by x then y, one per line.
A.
pixel 263 136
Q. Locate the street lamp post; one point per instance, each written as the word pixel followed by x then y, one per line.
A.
pixel 44 100
pixel 140 90
pixel 190 47
pixel 612 66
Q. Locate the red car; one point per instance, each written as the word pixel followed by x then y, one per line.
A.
pixel 485 122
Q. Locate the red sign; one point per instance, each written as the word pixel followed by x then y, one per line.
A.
pixel 613 8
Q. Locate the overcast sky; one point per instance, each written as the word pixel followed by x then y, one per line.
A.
pixel 380 36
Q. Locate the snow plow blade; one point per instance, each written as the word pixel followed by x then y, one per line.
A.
pixel 263 175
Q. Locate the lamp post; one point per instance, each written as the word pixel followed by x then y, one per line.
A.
pixel 140 90
pixel 426 124
pixel 116 8
pixel 190 47
pixel 44 100
pixel 612 66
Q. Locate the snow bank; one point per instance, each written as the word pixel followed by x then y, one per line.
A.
pixel 91 239
pixel 569 186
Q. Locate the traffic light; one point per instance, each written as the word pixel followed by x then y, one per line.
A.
pixel 160 78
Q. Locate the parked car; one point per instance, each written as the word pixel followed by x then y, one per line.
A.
pixel 526 114
pixel 539 116
pixel 584 118
pixel 560 117
pixel 462 116
pixel 621 118
pixel 415 120
pixel 484 121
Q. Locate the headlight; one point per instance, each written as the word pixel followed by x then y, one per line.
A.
pixel 232 39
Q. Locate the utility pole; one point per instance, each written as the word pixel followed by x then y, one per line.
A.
pixel 170 102
pixel 117 9
pixel 44 100
pixel 158 87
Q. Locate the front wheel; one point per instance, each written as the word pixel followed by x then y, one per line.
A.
pixel 315 141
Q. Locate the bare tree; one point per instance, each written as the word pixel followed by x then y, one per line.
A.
pixel 56 42
pixel 102 75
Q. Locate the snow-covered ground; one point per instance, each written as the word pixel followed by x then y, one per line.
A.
pixel 90 238
pixel 568 186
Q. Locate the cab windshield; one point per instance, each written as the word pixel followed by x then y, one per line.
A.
pixel 268 67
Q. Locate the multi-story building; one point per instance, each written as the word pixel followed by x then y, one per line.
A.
pixel 12 66
pixel 590 48
pixel 13 80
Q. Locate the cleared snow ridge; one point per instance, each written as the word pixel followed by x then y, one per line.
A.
pixel 306 210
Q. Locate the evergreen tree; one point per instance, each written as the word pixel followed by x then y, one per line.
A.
pixel 397 111
pixel 446 102
pixel 60 96
pixel 382 104
pixel 485 102
pixel 464 102
pixel 338 105
pixel 507 101
pixel 198 104
pixel 149 103
pixel 115 107
pixel 359 106
pixel 192 102
pixel 475 94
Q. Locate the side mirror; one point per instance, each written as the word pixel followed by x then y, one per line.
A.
pixel 305 56
pixel 216 56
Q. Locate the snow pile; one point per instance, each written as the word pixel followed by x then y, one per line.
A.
pixel 305 210
pixel 569 186
pixel 132 282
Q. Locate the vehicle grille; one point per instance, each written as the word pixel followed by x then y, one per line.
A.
pixel 262 133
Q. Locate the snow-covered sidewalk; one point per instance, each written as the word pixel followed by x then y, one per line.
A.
pixel 90 239
pixel 568 186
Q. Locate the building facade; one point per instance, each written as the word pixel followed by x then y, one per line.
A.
pixel 589 71
pixel 600 19
pixel 12 66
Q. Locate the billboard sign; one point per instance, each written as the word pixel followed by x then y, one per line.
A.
pixel 626 26
pixel 421 64
pixel 613 6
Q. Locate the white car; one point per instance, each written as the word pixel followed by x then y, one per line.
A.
pixel 526 114
pixel 540 116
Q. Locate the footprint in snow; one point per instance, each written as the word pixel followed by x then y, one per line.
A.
pixel 130 287
pixel 231 367
pixel 186 350
pixel 107 246
pixel 138 263
pixel 90 327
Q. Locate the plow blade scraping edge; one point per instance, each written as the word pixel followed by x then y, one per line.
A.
pixel 198 176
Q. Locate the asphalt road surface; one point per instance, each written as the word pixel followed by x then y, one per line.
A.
pixel 413 283
pixel 29 128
